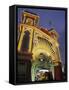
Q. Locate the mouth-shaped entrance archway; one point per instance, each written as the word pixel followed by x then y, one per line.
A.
pixel 42 66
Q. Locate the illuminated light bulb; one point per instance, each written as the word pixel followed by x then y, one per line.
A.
pixel 41 59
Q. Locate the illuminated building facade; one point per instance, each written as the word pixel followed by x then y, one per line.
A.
pixel 38 51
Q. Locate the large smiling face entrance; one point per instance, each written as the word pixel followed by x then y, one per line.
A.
pixel 41 68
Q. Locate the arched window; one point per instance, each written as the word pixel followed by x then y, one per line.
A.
pixel 25 41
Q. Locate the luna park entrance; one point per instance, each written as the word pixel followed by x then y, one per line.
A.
pixel 42 68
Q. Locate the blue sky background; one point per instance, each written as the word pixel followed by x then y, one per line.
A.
pixel 49 19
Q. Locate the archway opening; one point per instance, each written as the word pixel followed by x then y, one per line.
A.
pixel 25 41
pixel 41 68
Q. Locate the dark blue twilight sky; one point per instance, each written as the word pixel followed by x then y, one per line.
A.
pixel 49 19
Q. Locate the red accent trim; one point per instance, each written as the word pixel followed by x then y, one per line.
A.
pixel 58 72
pixel 45 31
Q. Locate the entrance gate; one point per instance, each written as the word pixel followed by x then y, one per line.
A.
pixel 41 68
